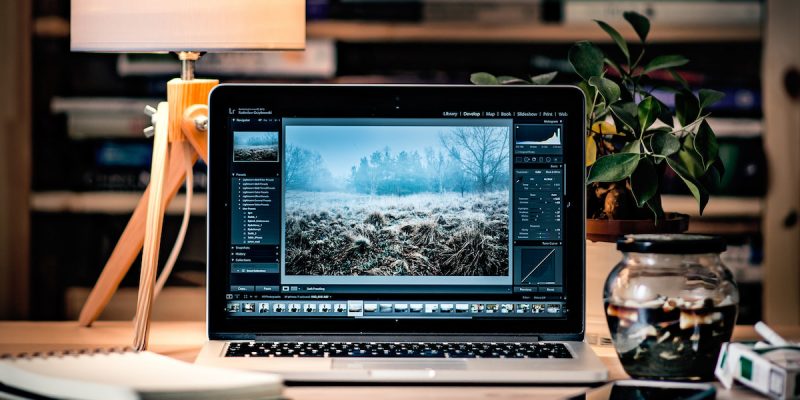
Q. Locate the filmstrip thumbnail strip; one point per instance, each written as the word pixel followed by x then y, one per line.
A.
pixel 368 308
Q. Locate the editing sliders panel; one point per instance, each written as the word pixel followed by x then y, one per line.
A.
pixel 538 210
pixel 371 309
pixel 537 204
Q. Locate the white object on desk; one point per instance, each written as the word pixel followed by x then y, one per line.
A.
pixel 132 375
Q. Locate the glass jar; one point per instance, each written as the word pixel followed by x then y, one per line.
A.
pixel 670 304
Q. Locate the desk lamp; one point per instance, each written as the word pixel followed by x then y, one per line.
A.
pixel 187 28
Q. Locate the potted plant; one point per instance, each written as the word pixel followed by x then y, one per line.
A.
pixel 633 139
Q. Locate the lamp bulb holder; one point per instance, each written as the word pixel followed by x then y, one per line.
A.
pixel 188 59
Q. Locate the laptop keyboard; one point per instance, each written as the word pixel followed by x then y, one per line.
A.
pixel 378 349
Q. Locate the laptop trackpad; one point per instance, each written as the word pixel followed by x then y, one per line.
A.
pixel 349 363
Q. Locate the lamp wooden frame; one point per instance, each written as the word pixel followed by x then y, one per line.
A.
pixel 177 136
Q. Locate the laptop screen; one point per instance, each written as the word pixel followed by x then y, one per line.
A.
pixel 447 214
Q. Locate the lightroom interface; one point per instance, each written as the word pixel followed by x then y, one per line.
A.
pixel 452 217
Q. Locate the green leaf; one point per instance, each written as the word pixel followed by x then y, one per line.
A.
pixel 665 115
pixel 687 107
pixel 510 80
pixel 698 191
pixel 483 78
pixel 588 94
pixel 544 79
pixel 662 62
pixel 613 167
pixel 720 167
pixel 689 158
pixel 712 179
pixel 705 145
pixel 613 64
pixel 627 114
pixel 664 143
pixel 709 97
pixel 586 59
pixel 678 78
pixel 608 88
pixel 618 39
pixel 639 22
pixel 648 111
pixel 655 206
pixel 644 182
pixel 632 147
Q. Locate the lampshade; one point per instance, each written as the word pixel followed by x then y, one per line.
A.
pixel 187 25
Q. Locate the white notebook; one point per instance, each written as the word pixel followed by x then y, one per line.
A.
pixel 132 375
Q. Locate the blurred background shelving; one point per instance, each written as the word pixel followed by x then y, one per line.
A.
pixel 90 160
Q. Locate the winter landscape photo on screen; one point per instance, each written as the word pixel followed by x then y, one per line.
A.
pixel 255 146
pixel 396 200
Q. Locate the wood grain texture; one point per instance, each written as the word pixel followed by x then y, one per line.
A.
pixel 152 229
pixel 198 139
pixel 782 146
pixel 181 95
pixel 129 244
pixel 15 157
pixel 182 340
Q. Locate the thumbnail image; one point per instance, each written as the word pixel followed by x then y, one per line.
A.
pixel 537 308
pixel 325 308
pixel 462 308
pixel 446 308
pixel 491 308
pixel 310 308
pixel 340 307
pixel 233 307
pixel 263 308
pixel 255 146
pixel 294 308
pixel 431 308
pixel 386 307
pixel 397 200
pixel 401 308
pixel 506 308
pixel 278 307
pixel 370 307
pixel 249 307
pixel 355 307
pixel 553 308
pixel 523 308
pixel 416 307
pixel 477 308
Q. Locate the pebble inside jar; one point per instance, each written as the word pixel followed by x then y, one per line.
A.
pixel 670 304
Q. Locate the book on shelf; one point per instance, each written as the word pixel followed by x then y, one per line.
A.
pixel 667 12
pixel 118 164
pixel 103 117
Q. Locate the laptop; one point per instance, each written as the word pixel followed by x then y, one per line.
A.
pixel 366 233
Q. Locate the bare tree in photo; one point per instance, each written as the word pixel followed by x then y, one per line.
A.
pixel 482 151
pixel 300 166
pixel 436 165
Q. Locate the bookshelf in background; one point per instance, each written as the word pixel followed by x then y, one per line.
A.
pixel 90 162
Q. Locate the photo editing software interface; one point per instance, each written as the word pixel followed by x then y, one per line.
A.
pixel 454 216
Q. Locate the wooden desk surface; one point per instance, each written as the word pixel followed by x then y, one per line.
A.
pixel 182 340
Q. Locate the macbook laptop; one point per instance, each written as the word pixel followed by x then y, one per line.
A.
pixel 398 233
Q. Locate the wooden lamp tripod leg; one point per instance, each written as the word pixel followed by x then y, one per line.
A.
pixel 153 224
pixel 187 101
pixel 131 241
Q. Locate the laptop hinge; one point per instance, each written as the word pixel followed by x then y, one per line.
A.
pixel 355 337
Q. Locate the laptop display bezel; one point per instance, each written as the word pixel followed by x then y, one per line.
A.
pixel 390 101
